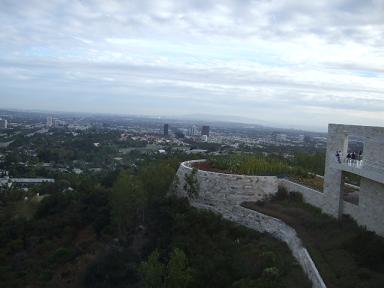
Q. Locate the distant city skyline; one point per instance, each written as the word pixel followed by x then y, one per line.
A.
pixel 293 64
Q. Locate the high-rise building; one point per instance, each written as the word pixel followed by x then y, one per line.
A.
pixel 3 124
pixel 205 130
pixel 166 128
pixel 192 131
pixel 49 121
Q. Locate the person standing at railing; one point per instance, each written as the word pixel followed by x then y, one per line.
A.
pixel 338 156
pixel 349 158
pixel 353 158
pixel 360 157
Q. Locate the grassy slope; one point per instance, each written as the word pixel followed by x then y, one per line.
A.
pixel 345 255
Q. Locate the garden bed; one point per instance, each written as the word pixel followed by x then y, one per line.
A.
pixel 314 182
pixel 247 165
pixel 207 166
pixel 317 183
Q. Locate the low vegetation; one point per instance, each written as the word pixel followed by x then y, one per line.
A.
pixel 250 165
pixel 345 254
pixel 317 183
pixel 271 165
pixel 313 182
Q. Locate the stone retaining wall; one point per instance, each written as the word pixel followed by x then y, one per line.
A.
pixel 223 194
pixel 368 213
pixel 371 204
pixel 230 188
pixel 351 210
pixel 310 196
pixel 316 198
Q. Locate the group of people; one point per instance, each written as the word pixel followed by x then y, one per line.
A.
pixel 352 158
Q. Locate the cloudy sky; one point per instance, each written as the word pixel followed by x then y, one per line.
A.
pixel 294 63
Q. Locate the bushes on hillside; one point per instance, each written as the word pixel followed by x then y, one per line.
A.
pixel 368 249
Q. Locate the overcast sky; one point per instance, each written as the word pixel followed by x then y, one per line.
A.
pixel 295 63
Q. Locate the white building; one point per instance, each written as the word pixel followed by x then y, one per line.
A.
pixel 7 181
pixel 368 212
pixel 3 124
pixel 49 121
pixel 192 131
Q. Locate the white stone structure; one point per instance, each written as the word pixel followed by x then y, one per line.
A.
pixel 223 193
pixel 370 210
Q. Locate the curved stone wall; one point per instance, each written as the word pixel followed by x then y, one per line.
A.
pixel 223 194
pixel 229 188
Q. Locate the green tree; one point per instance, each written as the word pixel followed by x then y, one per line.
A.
pixel 179 275
pixel 191 185
pixel 128 200
pixel 157 179
pixel 153 271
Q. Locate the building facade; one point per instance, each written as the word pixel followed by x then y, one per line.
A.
pixel 166 130
pixel 49 121
pixel 3 124
pixel 369 211
pixel 205 130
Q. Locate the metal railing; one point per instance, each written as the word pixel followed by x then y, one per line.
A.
pixel 377 165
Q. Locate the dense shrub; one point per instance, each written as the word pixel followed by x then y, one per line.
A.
pixel 368 249
pixel 251 165
pixel 281 194
pixel 116 268
pixel 54 204
pixel 295 196
pixel 62 255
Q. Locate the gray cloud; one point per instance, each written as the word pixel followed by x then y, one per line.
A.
pixel 235 56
